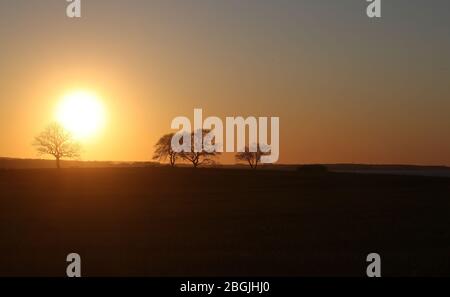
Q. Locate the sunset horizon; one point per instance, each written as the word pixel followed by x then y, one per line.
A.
pixel 387 108
pixel 224 147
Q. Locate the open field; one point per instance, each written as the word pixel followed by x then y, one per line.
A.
pixel 219 222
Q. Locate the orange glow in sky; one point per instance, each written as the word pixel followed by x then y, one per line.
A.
pixel 346 89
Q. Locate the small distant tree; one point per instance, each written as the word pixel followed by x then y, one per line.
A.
pixel 57 142
pixel 163 150
pixel 199 158
pixel 252 158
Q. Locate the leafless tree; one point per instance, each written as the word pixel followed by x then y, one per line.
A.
pixel 252 158
pixel 163 150
pixel 199 158
pixel 58 142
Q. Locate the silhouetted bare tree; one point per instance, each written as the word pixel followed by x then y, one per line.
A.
pixel 58 142
pixel 163 150
pixel 199 158
pixel 252 158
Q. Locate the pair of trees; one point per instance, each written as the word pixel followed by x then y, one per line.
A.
pixel 164 151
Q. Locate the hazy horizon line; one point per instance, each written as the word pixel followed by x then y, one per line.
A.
pixel 233 164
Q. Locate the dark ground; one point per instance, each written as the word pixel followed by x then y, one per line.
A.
pixel 221 222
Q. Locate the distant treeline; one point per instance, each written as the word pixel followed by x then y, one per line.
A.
pixel 11 163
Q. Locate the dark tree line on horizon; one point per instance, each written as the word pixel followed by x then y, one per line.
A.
pixel 164 152
pixel 54 140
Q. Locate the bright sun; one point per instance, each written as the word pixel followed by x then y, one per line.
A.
pixel 82 113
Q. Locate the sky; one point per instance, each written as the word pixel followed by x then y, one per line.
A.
pixel 347 89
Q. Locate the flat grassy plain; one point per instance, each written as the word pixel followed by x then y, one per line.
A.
pixel 221 222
